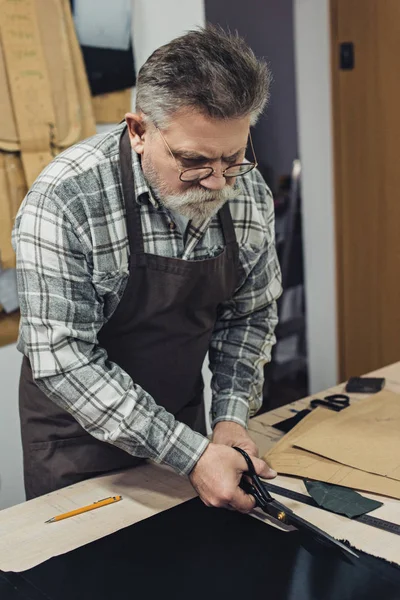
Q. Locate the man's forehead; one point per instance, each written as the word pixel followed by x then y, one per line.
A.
pixel 198 134
pixel 188 152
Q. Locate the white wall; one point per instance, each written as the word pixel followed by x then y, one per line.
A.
pixel 314 110
pixel 11 484
pixel 154 23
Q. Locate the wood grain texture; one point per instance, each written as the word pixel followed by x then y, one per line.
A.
pixel 366 125
pixel 388 33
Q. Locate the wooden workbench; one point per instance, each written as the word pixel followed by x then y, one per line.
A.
pixel 147 490
pixel 242 557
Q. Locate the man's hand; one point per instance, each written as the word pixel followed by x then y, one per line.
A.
pixel 217 475
pixel 233 434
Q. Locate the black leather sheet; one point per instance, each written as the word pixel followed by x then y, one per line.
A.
pixel 192 552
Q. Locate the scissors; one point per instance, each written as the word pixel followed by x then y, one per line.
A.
pixel 279 511
pixel 335 402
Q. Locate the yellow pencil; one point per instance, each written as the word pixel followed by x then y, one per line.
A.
pixel 79 511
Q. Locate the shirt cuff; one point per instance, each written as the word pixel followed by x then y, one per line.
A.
pixel 183 449
pixel 232 408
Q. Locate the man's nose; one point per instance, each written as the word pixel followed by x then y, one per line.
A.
pixel 216 181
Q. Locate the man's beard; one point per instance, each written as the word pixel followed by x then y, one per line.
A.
pixel 196 203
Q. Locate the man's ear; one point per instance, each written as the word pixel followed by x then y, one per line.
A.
pixel 136 130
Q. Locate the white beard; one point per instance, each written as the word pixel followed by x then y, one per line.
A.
pixel 196 204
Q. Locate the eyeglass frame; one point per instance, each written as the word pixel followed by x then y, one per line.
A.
pixel 253 164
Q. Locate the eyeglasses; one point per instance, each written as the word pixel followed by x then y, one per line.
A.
pixel 200 173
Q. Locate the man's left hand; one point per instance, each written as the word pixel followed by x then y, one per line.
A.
pixel 232 434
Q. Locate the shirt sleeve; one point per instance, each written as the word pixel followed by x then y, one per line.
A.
pixel 243 335
pixel 61 314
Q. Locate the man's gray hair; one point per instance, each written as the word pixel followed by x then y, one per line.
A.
pixel 209 70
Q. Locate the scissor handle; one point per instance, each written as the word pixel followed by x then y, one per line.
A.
pixel 255 488
pixel 249 489
pixel 335 402
pixel 250 467
pixel 342 399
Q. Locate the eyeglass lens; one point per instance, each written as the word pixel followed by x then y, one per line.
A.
pixel 203 172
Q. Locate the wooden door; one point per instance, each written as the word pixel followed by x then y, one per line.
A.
pixel 366 123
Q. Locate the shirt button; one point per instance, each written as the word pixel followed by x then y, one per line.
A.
pixel 172 226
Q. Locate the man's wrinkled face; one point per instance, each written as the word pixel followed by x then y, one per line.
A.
pixel 195 141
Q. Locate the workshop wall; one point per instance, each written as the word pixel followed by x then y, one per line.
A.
pixel 267 26
pixel 11 485
pixel 294 36
pixel 314 118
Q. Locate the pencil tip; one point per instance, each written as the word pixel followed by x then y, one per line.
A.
pixel 50 521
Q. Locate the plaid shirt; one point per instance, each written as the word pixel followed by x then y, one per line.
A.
pixel 72 251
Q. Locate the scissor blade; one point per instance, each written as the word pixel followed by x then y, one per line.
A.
pixel 299 522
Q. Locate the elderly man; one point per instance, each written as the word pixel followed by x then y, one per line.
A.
pixel 138 251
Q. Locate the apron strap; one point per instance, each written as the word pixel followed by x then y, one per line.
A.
pixel 134 227
pixel 228 229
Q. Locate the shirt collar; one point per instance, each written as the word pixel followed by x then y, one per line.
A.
pixel 142 189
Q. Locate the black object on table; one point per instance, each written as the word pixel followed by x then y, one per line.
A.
pixel 336 402
pixel 365 385
pixel 193 552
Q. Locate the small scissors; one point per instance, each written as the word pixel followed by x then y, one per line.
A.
pixel 279 511
pixel 335 402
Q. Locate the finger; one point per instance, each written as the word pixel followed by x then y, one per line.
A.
pixel 263 470
pixel 249 447
pixel 242 502
pixel 255 452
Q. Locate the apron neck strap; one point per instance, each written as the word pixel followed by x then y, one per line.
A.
pixel 227 225
pixel 134 226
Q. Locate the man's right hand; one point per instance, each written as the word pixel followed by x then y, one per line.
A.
pixel 217 475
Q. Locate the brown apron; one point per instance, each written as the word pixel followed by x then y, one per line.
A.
pixel 159 334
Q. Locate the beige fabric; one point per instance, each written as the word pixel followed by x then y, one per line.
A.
pixel 17 187
pixel 29 84
pixel 88 125
pixel 12 190
pixel 45 102
pixel 7 256
pixel 55 42
pixel 365 436
pixel 9 139
pixel 111 108
pixel 285 458
pixel 44 93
